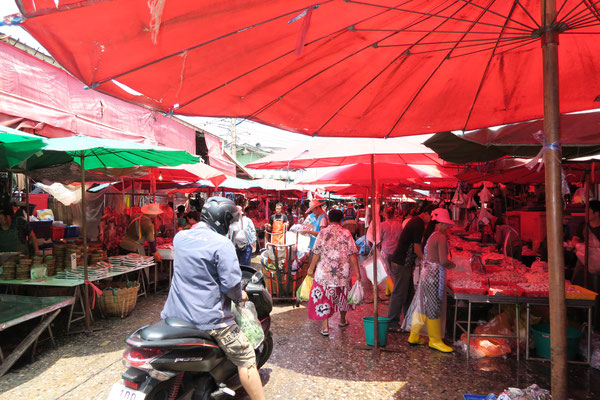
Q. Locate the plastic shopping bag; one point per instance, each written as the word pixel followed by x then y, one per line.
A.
pixel 381 272
pixel 303 292
pixel 247 319
pixel 356 294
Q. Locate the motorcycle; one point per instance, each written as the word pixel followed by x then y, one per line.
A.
pixel 172 359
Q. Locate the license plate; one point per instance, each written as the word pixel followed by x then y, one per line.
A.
pixel 121 392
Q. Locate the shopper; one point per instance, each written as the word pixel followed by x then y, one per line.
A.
pixel 206 279
pixel 426 307
pixel 243 236
pixel 402 264
pixel 334 254
pixel 508 240
pixel 391 229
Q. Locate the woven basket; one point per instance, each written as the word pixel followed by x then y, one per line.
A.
pixel 118 301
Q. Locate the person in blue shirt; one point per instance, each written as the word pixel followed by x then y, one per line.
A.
pixel 206 279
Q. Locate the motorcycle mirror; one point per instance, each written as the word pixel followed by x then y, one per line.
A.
pixel 256 277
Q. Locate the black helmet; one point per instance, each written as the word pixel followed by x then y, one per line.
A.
pixel 219 213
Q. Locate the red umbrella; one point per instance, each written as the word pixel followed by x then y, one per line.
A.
pixel 188 173
pixel 385 174
pixel 373 68
pixel 348 68
pixel 332 152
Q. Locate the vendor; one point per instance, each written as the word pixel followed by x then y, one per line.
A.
pixel 181 220
pixel 140 230
pixel 16 233
pixel 508 240
pixel 277 225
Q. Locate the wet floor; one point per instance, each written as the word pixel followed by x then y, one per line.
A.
pixel 304 364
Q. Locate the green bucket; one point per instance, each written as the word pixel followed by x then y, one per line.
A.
pixel 541 338
pixel 370 330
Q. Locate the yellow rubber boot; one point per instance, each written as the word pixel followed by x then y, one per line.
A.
pixel 418 320
pixel 434 329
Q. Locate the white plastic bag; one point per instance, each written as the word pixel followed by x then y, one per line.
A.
pixel 356 294
pixel 381 272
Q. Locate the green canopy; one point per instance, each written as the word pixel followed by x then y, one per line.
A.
pixel 106 153
pixel 16 146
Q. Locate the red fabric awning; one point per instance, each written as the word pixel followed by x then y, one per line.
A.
pixel 41 98
pixel 215 155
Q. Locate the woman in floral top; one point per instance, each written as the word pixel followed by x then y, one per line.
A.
pixel 334 253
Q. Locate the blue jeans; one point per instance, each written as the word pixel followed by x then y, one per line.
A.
pixel 244 256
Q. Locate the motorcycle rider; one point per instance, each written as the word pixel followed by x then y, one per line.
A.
pixel 206 278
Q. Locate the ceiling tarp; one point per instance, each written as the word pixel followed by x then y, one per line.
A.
pixel 46 100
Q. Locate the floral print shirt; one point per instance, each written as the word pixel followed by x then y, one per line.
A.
pixel 334 245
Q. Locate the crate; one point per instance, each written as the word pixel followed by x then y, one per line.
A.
pixel 42 229
pixel 58 232
pixel 581 294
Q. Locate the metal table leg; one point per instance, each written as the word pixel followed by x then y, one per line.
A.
pixel 589 337
pixel 527 333
pixel 455 320
pixel 469 331
pixel 518 313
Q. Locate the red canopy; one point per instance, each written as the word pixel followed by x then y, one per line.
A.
pixel 46 100
pixel 394 174
pixel 333 152
pixel 336 68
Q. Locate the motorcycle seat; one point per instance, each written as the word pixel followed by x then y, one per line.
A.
pixel 173 328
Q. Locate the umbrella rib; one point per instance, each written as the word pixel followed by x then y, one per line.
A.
pixel 421 19
pixel 507 18
pixel 485 71
pixel 426 31
pixel 206 43
pixel 575 18
pixel 574 24
pixel 564 18
pixel 529 15
pixel 506 43
pixel 525 43
pixel 480 41
pixel 433 15
pixel 340 31
pixel 429 78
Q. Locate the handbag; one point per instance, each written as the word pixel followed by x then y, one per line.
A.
pixel 303 292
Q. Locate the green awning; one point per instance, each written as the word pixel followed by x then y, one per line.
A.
pixel 16 146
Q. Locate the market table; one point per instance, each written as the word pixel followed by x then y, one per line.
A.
pixel 18 309
pixel 78 283
pixel 517 301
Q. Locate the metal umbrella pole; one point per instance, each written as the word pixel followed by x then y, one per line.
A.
pixel 554 202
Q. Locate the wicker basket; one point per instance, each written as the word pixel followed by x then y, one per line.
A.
pixel 118 301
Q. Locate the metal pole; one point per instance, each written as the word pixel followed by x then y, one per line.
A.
pixel 554 203
pixel 586 230
pixel 375 285
pixel 27 198
pixel 86 299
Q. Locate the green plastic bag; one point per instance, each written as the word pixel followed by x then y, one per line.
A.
pixel 303 292
pixel 247 319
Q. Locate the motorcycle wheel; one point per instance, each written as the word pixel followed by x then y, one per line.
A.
pixel 204 388
pixel 161 391
pixel 265 350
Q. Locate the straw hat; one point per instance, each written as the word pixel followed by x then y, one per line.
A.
pixel 441 215
pixel 314 204
pixel 151 209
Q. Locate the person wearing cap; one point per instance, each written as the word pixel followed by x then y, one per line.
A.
pixel 16 233
pixel 402 264
pixel 243 235
pixel 427 305
pixel 317 218
pixel 141 230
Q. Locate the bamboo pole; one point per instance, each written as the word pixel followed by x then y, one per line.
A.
pixel 27 198
pixel 375 286
pixel 86 298
pixel 586 230
pixel 554 202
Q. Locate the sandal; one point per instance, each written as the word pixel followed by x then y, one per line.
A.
pixel 343 325
pixel 325 333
